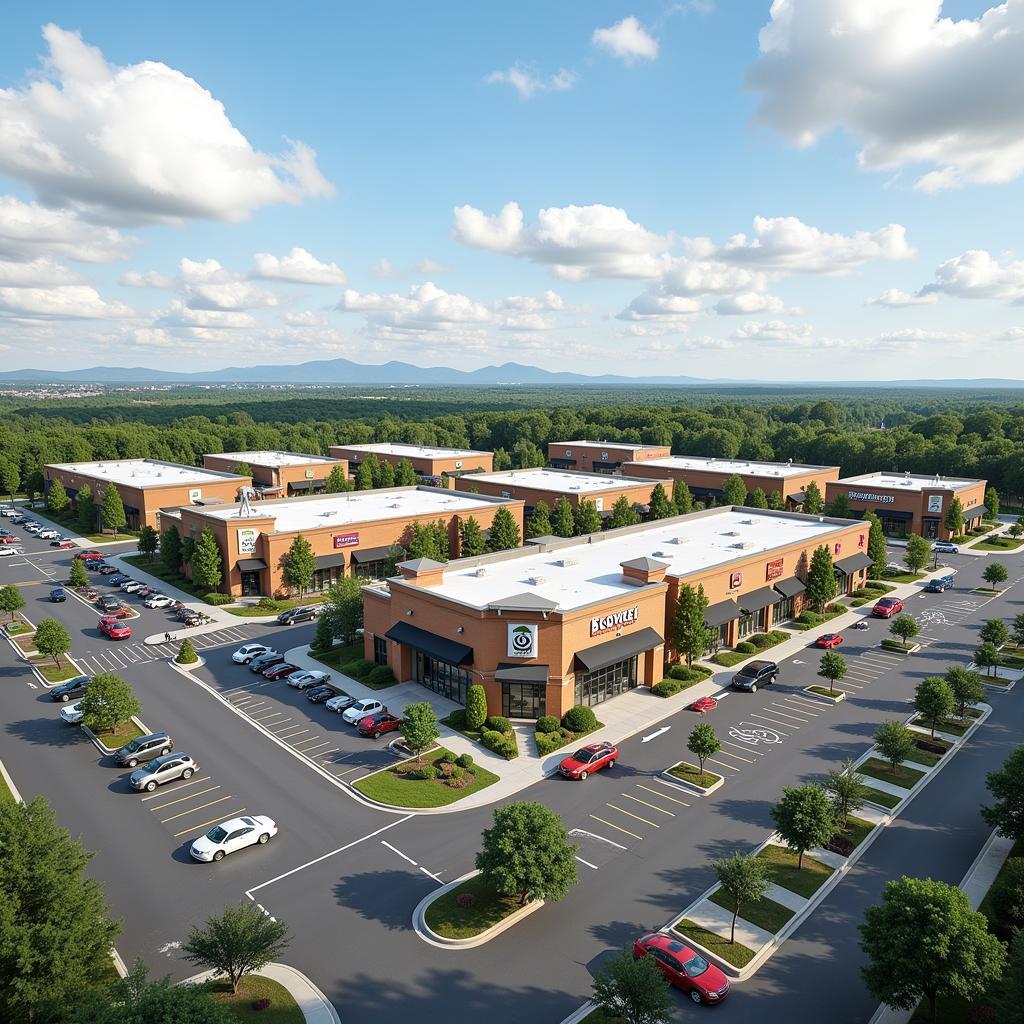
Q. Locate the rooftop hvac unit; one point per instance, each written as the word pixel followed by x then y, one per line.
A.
pixel 677 540
pixel 480 572
pixel 566 562
pixel 731 533
pixel 789 462
pixel 394 504
pixel 742 545
pixel 659 554
pixel 746 522
pixel 537 580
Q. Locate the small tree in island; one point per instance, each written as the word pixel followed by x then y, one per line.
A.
pixel 108 702
pixel 832 667
pixel 12 600
pixel 419 726
pixel 904 628
pixel 994 574
pixel 744 880
pixel 967 688
pixel 805 817
pixel 894 742
pixel 703 743
pixel 52 639
pixel 934 701
pixel 633 990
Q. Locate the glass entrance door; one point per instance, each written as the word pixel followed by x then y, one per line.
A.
pixel 523 700
pixel 596 687
pixel 446 679
pixel 250 583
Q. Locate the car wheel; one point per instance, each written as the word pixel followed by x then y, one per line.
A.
pixel 771 682
pixel 187 773
pixel 133 762
pixel 166 750
pixel 150 786
pixel 376 735
pixel 264 838
pixel 219 855
pixel 583 776
pixel 64 698
pixel 611 763
pixel 696 996
pixel 753 688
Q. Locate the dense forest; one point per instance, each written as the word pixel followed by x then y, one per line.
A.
pixel 954 433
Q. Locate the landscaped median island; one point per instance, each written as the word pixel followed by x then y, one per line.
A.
pixel 692 775
pixel 433 779
pixel 348 659
pixel 470 908
pixel 494 732
pixel 748 648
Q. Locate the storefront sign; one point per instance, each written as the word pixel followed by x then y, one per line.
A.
pixel 604 455
pixel 837 548
pixel 934 502
pixel 774 570
pixel 247 541
pixel 604 623
pixel 346 540
pixel 861 540
pixel 195 494
pixel 522 640
pixel 884 499
pixel 599 504
pixel 309 474
pixel 458 463
pixel 735 580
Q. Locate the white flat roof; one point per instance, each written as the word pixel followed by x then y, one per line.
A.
pixel 610 444
pixel 596 576
pixel 144 472
pixel 563 481
pixel 271 459
pixel 909 481
pixel 417 451
pixel 730 466
pixel 328 510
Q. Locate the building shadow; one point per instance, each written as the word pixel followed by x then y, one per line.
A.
pixel 47 732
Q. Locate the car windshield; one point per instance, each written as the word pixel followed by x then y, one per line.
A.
pixel 581 755
pixel 216 834
pixel 696 965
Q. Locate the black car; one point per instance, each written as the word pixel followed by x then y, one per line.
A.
pixel 93 565
pixel 118 579
pixel 755 674
pixel 72 688
pixel 305 613
pixel 58 594
pixel 107 570
pixel 318 694
pixel 109 603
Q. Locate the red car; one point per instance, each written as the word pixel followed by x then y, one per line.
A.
pixel 588 760
pixel 8 540
pixel 374 725
pixel 280 670
pixel 704 704
pixel 89 554
pixel 114 628
pixel 64 544
pixel 684 968
pixel 828 640
pixel 887 607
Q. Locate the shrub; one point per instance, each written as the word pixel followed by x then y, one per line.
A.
pixel 380 675
pixel 359 668
pixel 668 687
pixel 187 653
pixel 746 648
pixel 547 723
pixel 500 743
pixel 1007 896
pixel 448 757
pixel 579 719
pixel 694 674
pixel 217 599
pixel 498 723
pixel 465 900
pixel 457 719
pixel 476 706
pixel 464 760
pixel 427 771
pixel 269 604
pixel 549 741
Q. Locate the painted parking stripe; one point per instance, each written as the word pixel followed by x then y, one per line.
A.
pixel 266 717
pixel 653 807
pixel 399 852
pixel 774 721
pixel 212 821
pixel 192 782
pixel 726 753
pixel 289 735
pixel 801 699
pixel 594 835
pixel 586 862
pixel 759 753
pixel 280 725
pixel 616 827
pixel 189 796
pixel 348 771
pixel 662 796
pixel 310 750
pixel 630 814
pixel 789 706
pixel 312 739
pixel 724 764
pixel 790 714
pixel 192 810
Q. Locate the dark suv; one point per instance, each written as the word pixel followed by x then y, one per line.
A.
pixel 755 674
pixel 144 748
pixel 304 613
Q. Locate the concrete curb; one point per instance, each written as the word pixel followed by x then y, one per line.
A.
pixel 315 1006
pixel 580 1013
pixel 42 679
pixel 423 931
pixel 10 784
pixel 102 747
pixel 692 787
pixel 835 698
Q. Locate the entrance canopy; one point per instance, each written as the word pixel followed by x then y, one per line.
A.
pixel 329 561
pixel 619 649
pixel 510 673
pixel 851 564
pixel 363 555
pixel 758 599
pixel 430 643
pixel 791 587
pixel 251 564
pixel 721 613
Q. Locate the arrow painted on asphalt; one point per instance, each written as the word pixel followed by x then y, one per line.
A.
pixel 797 661
pixel 657 732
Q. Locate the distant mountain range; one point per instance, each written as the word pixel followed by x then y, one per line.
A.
pixel 344 371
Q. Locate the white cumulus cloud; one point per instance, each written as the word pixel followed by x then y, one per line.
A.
pixel 70 302
pixel 627 39
pixel 43 272
pixel 426 308
pixel 208 285
pixel 529 82
pixel 977 274
pixel 28 230
pixel 145 279
pixel 747 303
pixel 894 298
pixel 773 330
pixel 298 267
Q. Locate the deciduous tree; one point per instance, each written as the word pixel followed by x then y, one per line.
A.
pixel 12 600
pixel 170 550
pixel 562 522
pixel 85 509
pixel 744 880
pixel 847 789
pixel 894 742
pixel 681 497
pixel 839 506
pixel 1006 785
pixel 994 632
pixel 344 608
pixel 587 518
pixel 112 516
pixel 56 497
pixel 967 687
pixel 987 657
pixel 814 503
pixel 918 551
pixel 661 506
pixel 633 990
pixel 758 499
pixel 954 518
pixel 934 701
pixel 1010 995
pixel 405 475
pixel 299 565
pixel 148 542
pixel 805 817
pixel 471 538
pixel 832 667
pixel 703 743
pixel 821 578
pixel 337 481
pixel 504 533
pixel 538 523
pixel 904 628
pixel 10 477
pixel 77 575
pixel 992 503
pixel 476 706
pixel 419 726
pixel 734 490
pixel 206 561
pixel 52 639
pixel 878 551
pixel 623 514
pixel 108 702
pixel 689 635
pixel 994 574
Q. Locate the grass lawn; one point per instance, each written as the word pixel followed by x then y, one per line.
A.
pixel 950 725
pixel 995 681
pixel 782 870
pixel 857 830
pixel 902 577
pixel 877 796
pixel 390 788
pixel 760 641
pixel 691 773
pixel 14 628
pixel 729 658
pixel 734 953
pixel 445 917
pixel 986 590
pixel 5 791
pixel 926 757
pixel 125 731
pixel 765 913
pixel 825 691
pixel 57 675
pixel 68 523
pixel 879 769
pixel 250 611
pixel 985 906
pixel 1000 543
pixel 600 1015
pixel 1011 660
pixel 282 1010
pixel 892 644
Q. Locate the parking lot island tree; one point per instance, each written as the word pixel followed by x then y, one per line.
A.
pixel 186 653
pixel 904 628
pixel 476 706
pixel 562 522
pixel 1016 528
pixel 471 538
pixel 12 600
pixel 633 990
pixel 419 726
pixel 917 553
pixel 78 576
pixel 623 514
pixel 994 574
pixel 846 786
pixel 538 523
pixel 744 880
pixel 995 632
pixel 149 540
pixel 57 498
pixel 1006 786
pixel 967 687
pixel 814 503
pixel 690 637
pixel 805 817
pixel 987 657
pixel 207 570
pixel 55 928
pixel 299 565
pixel 924 941
pixel 52 639
pixel 703 743
pixel 832 667
pixel 1017 630
pixel 108 702
pixel 112 515
pixel 526 853
pixel 587 518
pixel 954 519
pixel 170 550
pixel 682 497
pixel 934 701
pixel 821 578
pixel 661 504
pixel 504 532
pixel 878 550
pixel 734 490
pixel 894 742
pixel 85 509
pixel 238 941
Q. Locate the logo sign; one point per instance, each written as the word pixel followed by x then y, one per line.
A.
pixel 615 620
pixel 735 580
pixel 861 541
pixel 309 474
pixel 599 504
pixel 568 453
pixel 522 640
pixel 345 540
pixel 458 463
pixel 838 547
pixel 604 455
pixel 883 499
pixel 934 502
pixel 195 494
pixel 247 541
pixel 774 569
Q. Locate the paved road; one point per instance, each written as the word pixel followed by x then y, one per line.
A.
pixel 347 889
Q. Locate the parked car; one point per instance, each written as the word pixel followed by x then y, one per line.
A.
pixel 48 534
pixel 62 543
pixel 166 768
pixel 339 703
pixel 360 709
pixel 89 554
pixel 303 680
pixel 145 591
pixel 71 688
pixel 72 713
pixel 8 540
pixel 58 594
pixel 887 607
pixel 118 578
pixel 109 603
pixel 265 660
pixel 6 552
pixel 588 760
pixel 93 566
pixel 683 968
pixel 106 569
pixel 755 674
pixel 158 601
pixel 233 835
pixel 114 628
pixel 702 705
pixel 828 640
pixel 377 725
pixel 279 670
pixel 247 652
pixel 133 587
pixel 121 612
pixel 304 613
pixel 144 748
pixel 947 547
pixel 318 694
pixel 939 585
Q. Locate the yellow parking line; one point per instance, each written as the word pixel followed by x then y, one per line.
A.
pixel 664 796
pixel 192 810
pixel 632 815
pixel 724 764
pixel 616 827
pixel 196 828
pixel 653 807
pixel 190 796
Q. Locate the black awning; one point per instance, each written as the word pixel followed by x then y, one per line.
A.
pixel 329 561
pixel 758 599
pixel 619 649
pixel 798 498
pixel 719 614
pixel 852 563
pixel 430 643
pixel 981 510
pixel 791 587
pixel 363 555
pixel 892 513
pixel 511 673
pixel 563 462
pixel 300 485
pixel 251 564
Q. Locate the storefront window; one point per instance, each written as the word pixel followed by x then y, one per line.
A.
pixel 250 583
pixel 523 700
pixel 784 611
pixel 596 687
pixel 719 638
pixel 380 650
pixel 325 578
pixel 749 624
pixel 442 677
pixel 894 527
pixel 931 528
pixel 375 570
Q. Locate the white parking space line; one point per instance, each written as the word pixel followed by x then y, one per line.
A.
pixel 724 764
pixel 395 849
pixel 585 862
pixel 774 721
pixel 594 835
pixel 726 753
pixel 791 705
pixel 181 799
pixel 289 734
pixel 759 753
pixel 312 739
pixel 789 714
pixel 192 782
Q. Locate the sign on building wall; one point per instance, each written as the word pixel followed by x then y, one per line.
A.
pixel 883 499
pixel 522 640
pixel 309 474
pixel 604 455
pixel 934 502
pixel 247 541
pixel 458 463
pixel 735 580
pixel 774 569
pixel 345 540
pixel 614 620
pixel 599 504
pixel 861 540
pixel 195 493
pixel 837 547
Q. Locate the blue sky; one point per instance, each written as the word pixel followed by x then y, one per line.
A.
pixel 810 189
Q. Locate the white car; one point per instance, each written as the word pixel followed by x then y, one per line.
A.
pixel 132 586
pixel 33 528
pixel 303 680
pixel 358 711
pixel 158 601
pixel 339 703
pixel 72 713
pixel 48 534
pixel 6 551
pixel 947 547
pixel 232 835
pixel 247 652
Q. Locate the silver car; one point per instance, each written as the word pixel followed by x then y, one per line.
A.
pixel 303 680
pixel 340 703
pixel 167 768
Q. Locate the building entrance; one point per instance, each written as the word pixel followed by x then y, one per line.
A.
pixel 442 677
pixel 523 700
pixel 250 582
pixel 598 686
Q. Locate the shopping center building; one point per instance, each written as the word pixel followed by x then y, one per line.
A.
pixel 426 460
pixel 705 476
pixel 147 485
pixel 351 533
pixel 910 502
pixel 601 456
pixel 279 473
pixel 582 620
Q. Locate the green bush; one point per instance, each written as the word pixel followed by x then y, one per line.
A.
pixel 217 599
pixel 457 719
pixel 746 648
pixel 476 706
pixel 499 743
pixel 549 741
pixel 688 675
pixel 380 675
pixel 187 653
pixel 269 604
pixel 358 668
pixel 448 757
pixel 464 760
pixel 428 771
pixel 669 687
pixel 547 723
pixel 579 719
pixel 498 723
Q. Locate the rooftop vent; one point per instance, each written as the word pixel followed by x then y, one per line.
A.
pixel 480 572
pixel 789 462
pixel 566 562
pixel 659 554
pixel 746 522
pixel 731 533
pixel 742 545
pixel 394 504
pixel 537 580
pixel 677 540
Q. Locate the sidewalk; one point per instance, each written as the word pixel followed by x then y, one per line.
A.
pixel 315 1006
